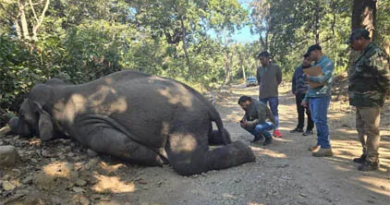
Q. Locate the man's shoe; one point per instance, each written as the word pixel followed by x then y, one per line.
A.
pixel 308 132
pixel 360 160
pixel 323 153
pixel 277 134
pixel 296 130
pixel 257 138
pixel 369 166
pixel 267 141
pixel 314 148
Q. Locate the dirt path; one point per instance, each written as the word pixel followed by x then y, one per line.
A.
pixel 285 173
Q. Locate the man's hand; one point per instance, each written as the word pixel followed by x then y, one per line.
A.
pixel 304 103
pixel 243 123
pixel 306 77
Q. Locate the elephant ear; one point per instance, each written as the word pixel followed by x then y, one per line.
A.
pixel 45 125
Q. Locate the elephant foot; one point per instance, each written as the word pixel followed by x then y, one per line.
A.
pixel 245 151
pixel 216 139
pixel 201 160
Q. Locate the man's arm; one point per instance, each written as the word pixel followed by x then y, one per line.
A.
pixel 258 76
pixel 294 82
pixel 261 117
pixel 381 65
pixel 327 69
pixel 305 101
pixel 244 118
pixel 279 75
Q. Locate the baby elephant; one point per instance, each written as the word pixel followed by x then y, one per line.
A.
pixel 137 117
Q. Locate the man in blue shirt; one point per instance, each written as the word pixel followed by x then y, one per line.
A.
pixel 318 99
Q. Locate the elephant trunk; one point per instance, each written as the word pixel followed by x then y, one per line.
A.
pixel 19 127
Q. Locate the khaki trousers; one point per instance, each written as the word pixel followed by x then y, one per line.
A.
pixel 367 126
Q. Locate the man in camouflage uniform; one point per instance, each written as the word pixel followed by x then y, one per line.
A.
pixel 369 81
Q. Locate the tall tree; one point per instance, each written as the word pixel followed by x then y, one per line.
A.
pixel 364 15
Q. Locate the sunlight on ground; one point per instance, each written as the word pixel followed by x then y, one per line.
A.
pixel 108 184
pixel 35 142
pixel 270 153
pixel 58 169
pixel 110 168
pixel 382 187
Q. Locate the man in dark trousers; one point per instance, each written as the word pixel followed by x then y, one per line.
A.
pixel 369 80
pixel 258 119
pixel 299 89
pixel 269 77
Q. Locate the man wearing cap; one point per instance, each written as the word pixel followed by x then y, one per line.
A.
pixel 258 119
pixel 318 99
pixel 299 89
pixel 369 80
pixel 269 77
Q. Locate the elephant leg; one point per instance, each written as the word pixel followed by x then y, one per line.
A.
pixel 189 156
pixel 107 140
pixel 216 139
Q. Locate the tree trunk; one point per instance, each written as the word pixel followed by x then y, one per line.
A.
pixel 228 64
pixel 364 15
pixel 185 47
pixel 17 28
pixel 227 69
pixel 243 71
pixel 23 20
pixel 40 20
pixel 317 25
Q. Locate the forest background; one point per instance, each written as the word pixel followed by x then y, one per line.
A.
pixel 192 41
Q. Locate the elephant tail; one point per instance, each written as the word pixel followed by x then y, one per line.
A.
pixel 222 132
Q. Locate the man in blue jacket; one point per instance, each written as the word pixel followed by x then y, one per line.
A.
pixel 318 99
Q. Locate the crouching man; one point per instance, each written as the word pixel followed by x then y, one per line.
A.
pixel 258 119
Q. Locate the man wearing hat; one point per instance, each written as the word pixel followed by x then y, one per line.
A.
pixel 318 99
pixel 369 80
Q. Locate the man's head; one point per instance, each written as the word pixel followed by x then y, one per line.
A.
pixel 264 58
pixel 314 52
pixel 244 101
pixel 306 62
pixel 359 39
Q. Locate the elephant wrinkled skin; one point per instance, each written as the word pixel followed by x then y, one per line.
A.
pixel 137 117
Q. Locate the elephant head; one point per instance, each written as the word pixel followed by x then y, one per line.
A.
pixel 34 119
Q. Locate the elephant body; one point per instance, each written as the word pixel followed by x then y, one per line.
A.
pixel 136 117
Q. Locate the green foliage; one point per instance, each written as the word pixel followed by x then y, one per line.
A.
pixel 81 40
pixel 19 71
pixel 292 26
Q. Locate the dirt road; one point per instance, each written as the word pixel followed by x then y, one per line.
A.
pixel 284 173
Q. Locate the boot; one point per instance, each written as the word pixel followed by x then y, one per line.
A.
pixel 297 130
pixel 267 141
pixel 360 160
pixel 308 132
pixel 323 153
pixel 369 166
pixel 314 148
pixel 257 138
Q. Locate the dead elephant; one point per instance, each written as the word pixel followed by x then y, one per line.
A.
pixel 137 117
